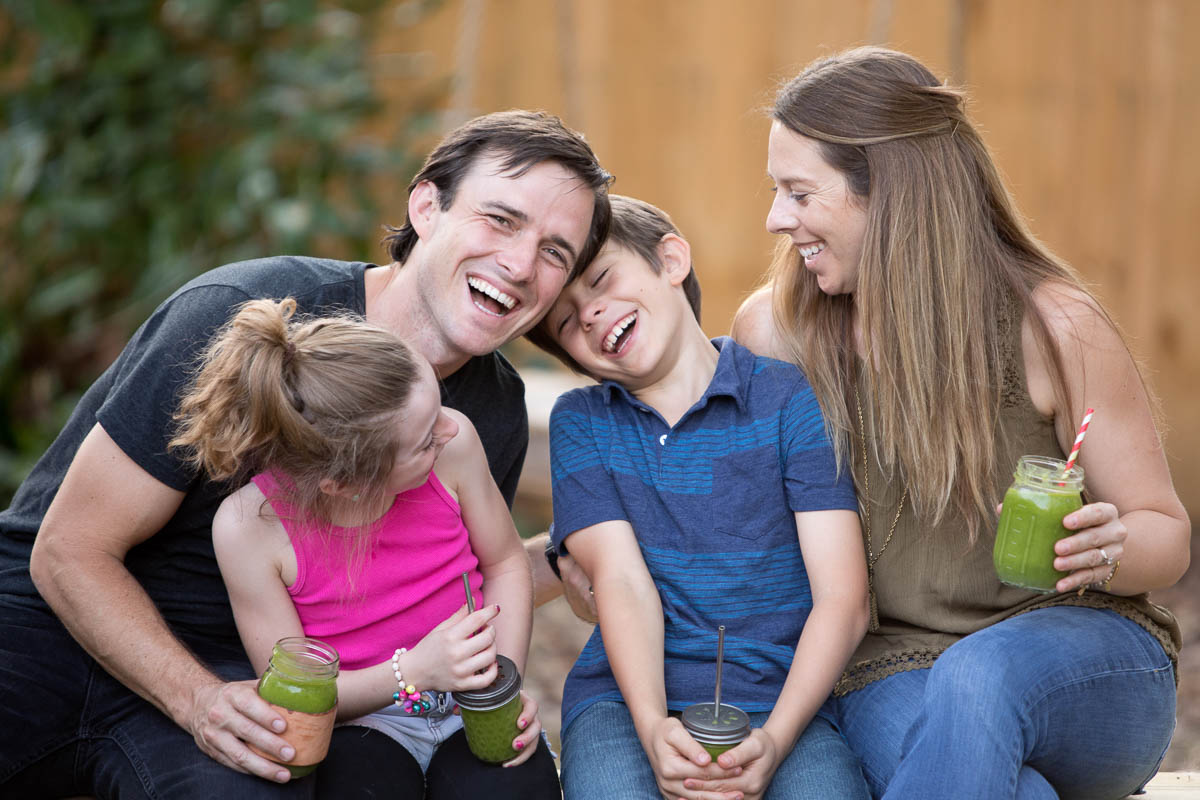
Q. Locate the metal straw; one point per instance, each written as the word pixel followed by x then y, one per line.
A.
pixel 720 658
pixel 467 589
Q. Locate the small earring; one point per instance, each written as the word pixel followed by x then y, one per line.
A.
pixel 354 499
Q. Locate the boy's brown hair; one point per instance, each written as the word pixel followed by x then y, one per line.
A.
pixel 638 227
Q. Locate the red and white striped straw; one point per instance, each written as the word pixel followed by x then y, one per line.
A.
pixel 1087 418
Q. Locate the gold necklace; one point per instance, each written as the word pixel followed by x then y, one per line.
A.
pixel 872 556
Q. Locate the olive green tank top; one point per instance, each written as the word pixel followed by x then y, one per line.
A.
pixel 932 587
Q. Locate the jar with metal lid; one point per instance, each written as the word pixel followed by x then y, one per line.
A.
pixel 490 714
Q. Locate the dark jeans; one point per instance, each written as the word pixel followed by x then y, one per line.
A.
pixel 67 727
pixel 364 763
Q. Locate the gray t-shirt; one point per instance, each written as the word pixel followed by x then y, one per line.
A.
pixel 135 399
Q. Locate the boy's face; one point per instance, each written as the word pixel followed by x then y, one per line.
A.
pixel 618 317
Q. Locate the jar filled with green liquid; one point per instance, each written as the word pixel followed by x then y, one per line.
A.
pixel 490 714
pixel 716 732
pixel 300 682
pixel 1031 522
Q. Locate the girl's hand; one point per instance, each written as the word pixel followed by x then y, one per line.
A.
pixel 457 655
pixel 531 728
pixel 756 758
pixel 677 760
pixel 1090 553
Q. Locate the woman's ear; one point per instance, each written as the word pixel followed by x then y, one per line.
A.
pixel 675 255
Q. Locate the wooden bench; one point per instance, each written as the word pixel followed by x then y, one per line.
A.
pixel 1171 786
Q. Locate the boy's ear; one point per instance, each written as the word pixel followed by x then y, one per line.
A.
pixel 422 206
pixel 675 254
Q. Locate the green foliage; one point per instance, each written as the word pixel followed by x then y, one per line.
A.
pixel 145 141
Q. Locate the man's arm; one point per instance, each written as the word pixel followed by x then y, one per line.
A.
pixel 574 585
pixel 106 505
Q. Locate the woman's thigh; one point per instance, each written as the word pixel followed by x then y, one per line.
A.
pixel 602 756
pixel 875 720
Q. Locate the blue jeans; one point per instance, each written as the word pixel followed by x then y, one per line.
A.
pixel 602 757
pixel 1060 702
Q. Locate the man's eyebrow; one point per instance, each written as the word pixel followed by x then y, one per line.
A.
pixel 521 216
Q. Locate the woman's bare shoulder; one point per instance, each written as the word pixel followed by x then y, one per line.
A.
pixel 754 325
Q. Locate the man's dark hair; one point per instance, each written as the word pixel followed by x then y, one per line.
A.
pixel 522 140
pixel 638 227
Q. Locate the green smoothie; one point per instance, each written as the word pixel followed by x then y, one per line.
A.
pixel 1031 522
pixel 716 733
pixel 490 714
pixel 301 681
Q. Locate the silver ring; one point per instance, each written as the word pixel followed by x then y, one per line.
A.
pixel 1108 560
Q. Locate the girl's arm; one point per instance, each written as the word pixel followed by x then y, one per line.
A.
pixel 631 624
pixel 258 564
pixel 1139 518
pixel 507 580
pixel 831 542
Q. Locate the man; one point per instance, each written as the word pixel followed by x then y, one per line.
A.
pixel 133 654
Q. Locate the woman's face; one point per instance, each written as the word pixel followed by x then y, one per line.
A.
pixel 814 207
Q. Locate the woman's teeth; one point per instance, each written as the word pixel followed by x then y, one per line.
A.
pixel 810 250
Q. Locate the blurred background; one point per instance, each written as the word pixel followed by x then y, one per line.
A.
pixel 144 141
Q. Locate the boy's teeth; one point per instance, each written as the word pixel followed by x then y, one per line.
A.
pixel 610 341
pixel 811 250
pixel 492 292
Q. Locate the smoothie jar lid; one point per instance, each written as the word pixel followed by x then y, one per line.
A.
pixel 495 694
pixel 731 727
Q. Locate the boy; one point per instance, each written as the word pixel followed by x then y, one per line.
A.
pixel 687 485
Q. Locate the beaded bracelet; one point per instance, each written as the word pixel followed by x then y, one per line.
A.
pixel 407 697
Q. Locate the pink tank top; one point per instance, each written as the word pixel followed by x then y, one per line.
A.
pixel 409 582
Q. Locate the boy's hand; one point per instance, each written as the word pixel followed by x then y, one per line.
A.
pixel 678 759
pixel 531 729
pixel 457 655
pixel 756 759
pixel 577 588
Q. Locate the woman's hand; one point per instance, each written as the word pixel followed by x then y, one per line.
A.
pixel 531 728
pixel 678 760
pixel 1092 551
pixel 457 655
pixel 756 758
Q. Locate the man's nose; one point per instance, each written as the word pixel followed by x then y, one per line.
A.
pixel 519 259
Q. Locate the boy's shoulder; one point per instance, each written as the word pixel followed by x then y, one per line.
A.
pixel 763 375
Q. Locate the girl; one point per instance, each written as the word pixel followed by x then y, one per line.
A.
pixel 346 534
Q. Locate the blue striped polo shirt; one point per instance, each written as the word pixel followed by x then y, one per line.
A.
pixel 711 501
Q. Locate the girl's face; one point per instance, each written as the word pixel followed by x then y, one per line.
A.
pixel 815 208
pixel 422 428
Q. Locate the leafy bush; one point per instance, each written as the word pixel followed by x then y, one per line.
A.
pixel 145 141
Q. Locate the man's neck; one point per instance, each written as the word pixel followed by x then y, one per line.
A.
pixel 393 302
pixel 686 375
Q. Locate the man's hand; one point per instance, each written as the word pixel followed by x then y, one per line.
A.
pixel 577 588
pixel 226 717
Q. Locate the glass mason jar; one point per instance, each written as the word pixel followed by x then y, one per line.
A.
pixel 716 734
pixel 1031 522
pixel 490 714
pixel 301 683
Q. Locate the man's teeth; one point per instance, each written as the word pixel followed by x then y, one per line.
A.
pixel 810 250
pixel 610 341
pixel 492 292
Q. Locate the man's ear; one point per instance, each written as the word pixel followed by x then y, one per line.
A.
pixel 422 207
pixel 675 255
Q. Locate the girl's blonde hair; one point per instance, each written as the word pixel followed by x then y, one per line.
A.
pixel 948 266
pixel 308 400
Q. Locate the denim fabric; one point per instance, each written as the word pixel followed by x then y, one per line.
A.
pixel 72 729
pixel 603 758
pixel 1060 702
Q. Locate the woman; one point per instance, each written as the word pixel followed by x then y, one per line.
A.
pixel 944 342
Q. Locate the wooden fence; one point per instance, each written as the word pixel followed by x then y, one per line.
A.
pixel 1090 107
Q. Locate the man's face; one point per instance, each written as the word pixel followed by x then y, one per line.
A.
pixel 492 263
